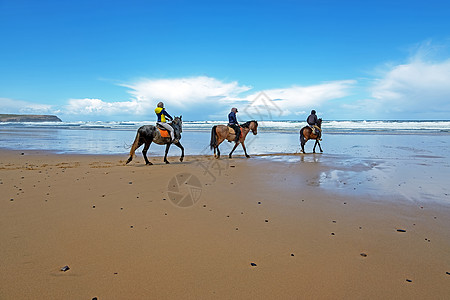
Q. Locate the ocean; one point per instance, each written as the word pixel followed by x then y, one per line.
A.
pixel 273 136
pixel 410 157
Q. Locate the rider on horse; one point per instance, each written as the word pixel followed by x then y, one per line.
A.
pixel 312 122
pixel 233 123
pixel 162 115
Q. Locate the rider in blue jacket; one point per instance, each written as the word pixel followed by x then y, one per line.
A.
pixel 233 123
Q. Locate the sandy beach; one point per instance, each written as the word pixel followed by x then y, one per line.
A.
pixel 273 227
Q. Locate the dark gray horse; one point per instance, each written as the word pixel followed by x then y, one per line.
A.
pixel 148 133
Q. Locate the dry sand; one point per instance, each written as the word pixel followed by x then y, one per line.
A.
pixel 123 236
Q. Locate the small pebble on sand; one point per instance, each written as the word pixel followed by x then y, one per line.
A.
pixel 363 254
pixel 401 230
pixel 65 268
pixel 253 264
pixel 408 280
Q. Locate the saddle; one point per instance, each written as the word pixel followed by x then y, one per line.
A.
pixel 317 131
pixel 163 131
pixel 231 130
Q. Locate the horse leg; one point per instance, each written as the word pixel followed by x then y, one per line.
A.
pixel 315 144
pixel 218 151
pixel 178 144
pixel 318 143
pixel 165 155
pixel 234 148
pixel 144 153
pixel 131 156
pixel 245 150
pixel 302 141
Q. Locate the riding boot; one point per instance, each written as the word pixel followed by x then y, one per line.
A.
pixel 238 135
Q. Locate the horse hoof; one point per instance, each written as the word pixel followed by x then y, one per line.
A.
pixel 149 164
pixel 248 156
pixel 229 156
pixel 181 159
pixel 167 162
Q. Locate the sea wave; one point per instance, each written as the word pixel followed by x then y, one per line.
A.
pixel 333 126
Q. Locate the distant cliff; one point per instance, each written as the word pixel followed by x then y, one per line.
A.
pixel 28 118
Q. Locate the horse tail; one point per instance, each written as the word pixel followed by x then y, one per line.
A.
pixel 134 147
pixel 302 137
pixel 213 143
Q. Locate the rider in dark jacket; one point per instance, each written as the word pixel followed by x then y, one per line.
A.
pixel 233 123
pixel 312 121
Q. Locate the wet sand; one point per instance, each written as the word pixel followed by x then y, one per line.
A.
pixel 273 226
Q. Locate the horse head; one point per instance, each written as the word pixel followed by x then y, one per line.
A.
pixel 177 125
pixel 254 127
pixel 319 122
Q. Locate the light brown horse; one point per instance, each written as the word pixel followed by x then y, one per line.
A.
pixel 306 134
pixel 219 133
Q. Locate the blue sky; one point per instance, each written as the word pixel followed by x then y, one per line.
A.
pixel 114 60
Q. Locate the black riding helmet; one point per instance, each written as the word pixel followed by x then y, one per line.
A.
pixel 313 112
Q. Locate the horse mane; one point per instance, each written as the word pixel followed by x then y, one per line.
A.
pixel 247 124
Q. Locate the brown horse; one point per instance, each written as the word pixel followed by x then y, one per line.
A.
pixel 306 134
pixel 219 133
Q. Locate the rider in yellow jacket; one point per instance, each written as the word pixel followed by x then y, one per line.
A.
pixel 162 115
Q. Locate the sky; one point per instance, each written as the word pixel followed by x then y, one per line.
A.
pixel 115 60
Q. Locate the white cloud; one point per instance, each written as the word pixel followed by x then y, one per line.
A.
pixel 23 107
pixel 418 89
pixel 296 100
pixel 99 107
pixel 185 92
pixel 212 97
pixel 413 86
